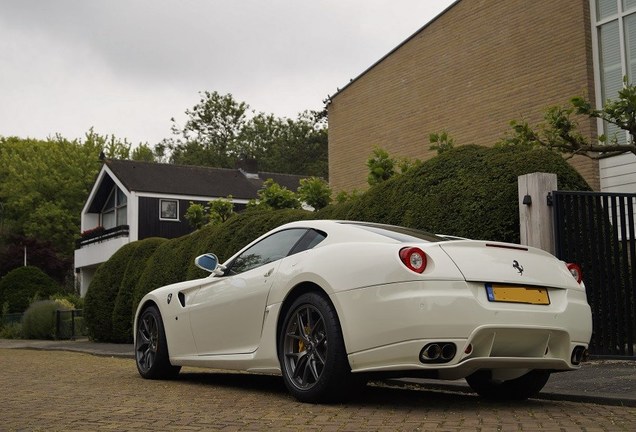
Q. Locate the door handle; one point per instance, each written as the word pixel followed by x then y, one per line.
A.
pixel 269 273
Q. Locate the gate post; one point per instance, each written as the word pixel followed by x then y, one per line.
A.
pixel 535 215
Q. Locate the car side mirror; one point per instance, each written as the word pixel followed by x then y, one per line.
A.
pixel 210 263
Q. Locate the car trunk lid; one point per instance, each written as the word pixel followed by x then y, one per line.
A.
pixel 493 262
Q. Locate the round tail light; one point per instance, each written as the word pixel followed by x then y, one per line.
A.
pixel 575 269
pixel 413 258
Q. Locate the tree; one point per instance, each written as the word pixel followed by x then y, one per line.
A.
pixel 143 152
pixel 315 192
pixel 211 133
pixel 113 147
pixel 221 209
pixel 560 128
pixel 217 211
pixel 441 141
pixel 196 215
pixel 297 146
pixel 39 252
pixel 275 196
pixel 43 186
pixel 381 166
pixel 220 131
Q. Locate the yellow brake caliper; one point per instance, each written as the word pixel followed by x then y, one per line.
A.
pixel 301 343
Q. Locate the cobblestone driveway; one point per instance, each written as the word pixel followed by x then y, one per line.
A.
pixel 52 390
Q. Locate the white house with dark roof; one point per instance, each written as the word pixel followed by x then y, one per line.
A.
pixel 133 200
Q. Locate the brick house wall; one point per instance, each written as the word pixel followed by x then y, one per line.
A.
pixel 474 68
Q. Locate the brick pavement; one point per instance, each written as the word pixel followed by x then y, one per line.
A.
pixel 58 390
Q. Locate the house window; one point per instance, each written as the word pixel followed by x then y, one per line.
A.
pixel 614 49
pixel 615 22
pixel 114 212
pixel 169 210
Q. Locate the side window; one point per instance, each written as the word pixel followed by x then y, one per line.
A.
pixel 308 241
pixel 269 249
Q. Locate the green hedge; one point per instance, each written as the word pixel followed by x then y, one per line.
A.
pixel 99 302
pixel 469 191
pixel 168 264
pixel 123 311
pixel 140 267
pixel 21 286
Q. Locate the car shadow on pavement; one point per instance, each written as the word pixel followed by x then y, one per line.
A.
pixel 375 393
pixel 251 382
pixel 413 397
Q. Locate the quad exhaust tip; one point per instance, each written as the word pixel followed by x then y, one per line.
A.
pixel 438 352
pixel 579 354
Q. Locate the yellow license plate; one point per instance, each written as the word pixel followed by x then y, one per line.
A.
pixel 515 294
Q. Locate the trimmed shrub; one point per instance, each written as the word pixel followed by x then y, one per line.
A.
pixel 123 311
pixel 99 301
pixel 168 264
pixel 468 191
pixel 39 320
pixel 20 286
pixel 338 211
pixel 11 331
pixel 140 267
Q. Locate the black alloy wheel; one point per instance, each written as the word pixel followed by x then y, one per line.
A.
pixel 312 353
pixel 151 349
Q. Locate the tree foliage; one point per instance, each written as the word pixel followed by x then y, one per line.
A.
pixel 217 211
pixel 196 215
pixel 276 197
pixel 297 146
pixel 468 191
pixel 39 252
pixel 211 135
pixel 441 141
pixel 381 166
pixel 43 186
pixel 315 192
pixel 560 127
pixel 220 130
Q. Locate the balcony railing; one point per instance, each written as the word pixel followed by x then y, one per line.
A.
pixel 102 235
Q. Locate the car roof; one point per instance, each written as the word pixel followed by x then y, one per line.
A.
pixel 393 232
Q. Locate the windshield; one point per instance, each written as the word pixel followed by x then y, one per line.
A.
pixel 398 233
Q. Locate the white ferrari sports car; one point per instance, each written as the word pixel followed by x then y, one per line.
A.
pixel 330 305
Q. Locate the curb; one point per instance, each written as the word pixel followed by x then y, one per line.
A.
pixel 126 351
pixel 439 385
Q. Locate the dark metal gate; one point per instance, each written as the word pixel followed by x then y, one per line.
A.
pixel 597 231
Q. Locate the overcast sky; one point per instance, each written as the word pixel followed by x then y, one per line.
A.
pixel 126 67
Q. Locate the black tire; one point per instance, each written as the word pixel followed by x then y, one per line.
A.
pixel 521 388
pixel 151 349
pixel 312 354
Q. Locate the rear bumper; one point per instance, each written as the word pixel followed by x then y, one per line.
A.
pixel 386 326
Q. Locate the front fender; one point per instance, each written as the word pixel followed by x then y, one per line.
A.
pixel 174 314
